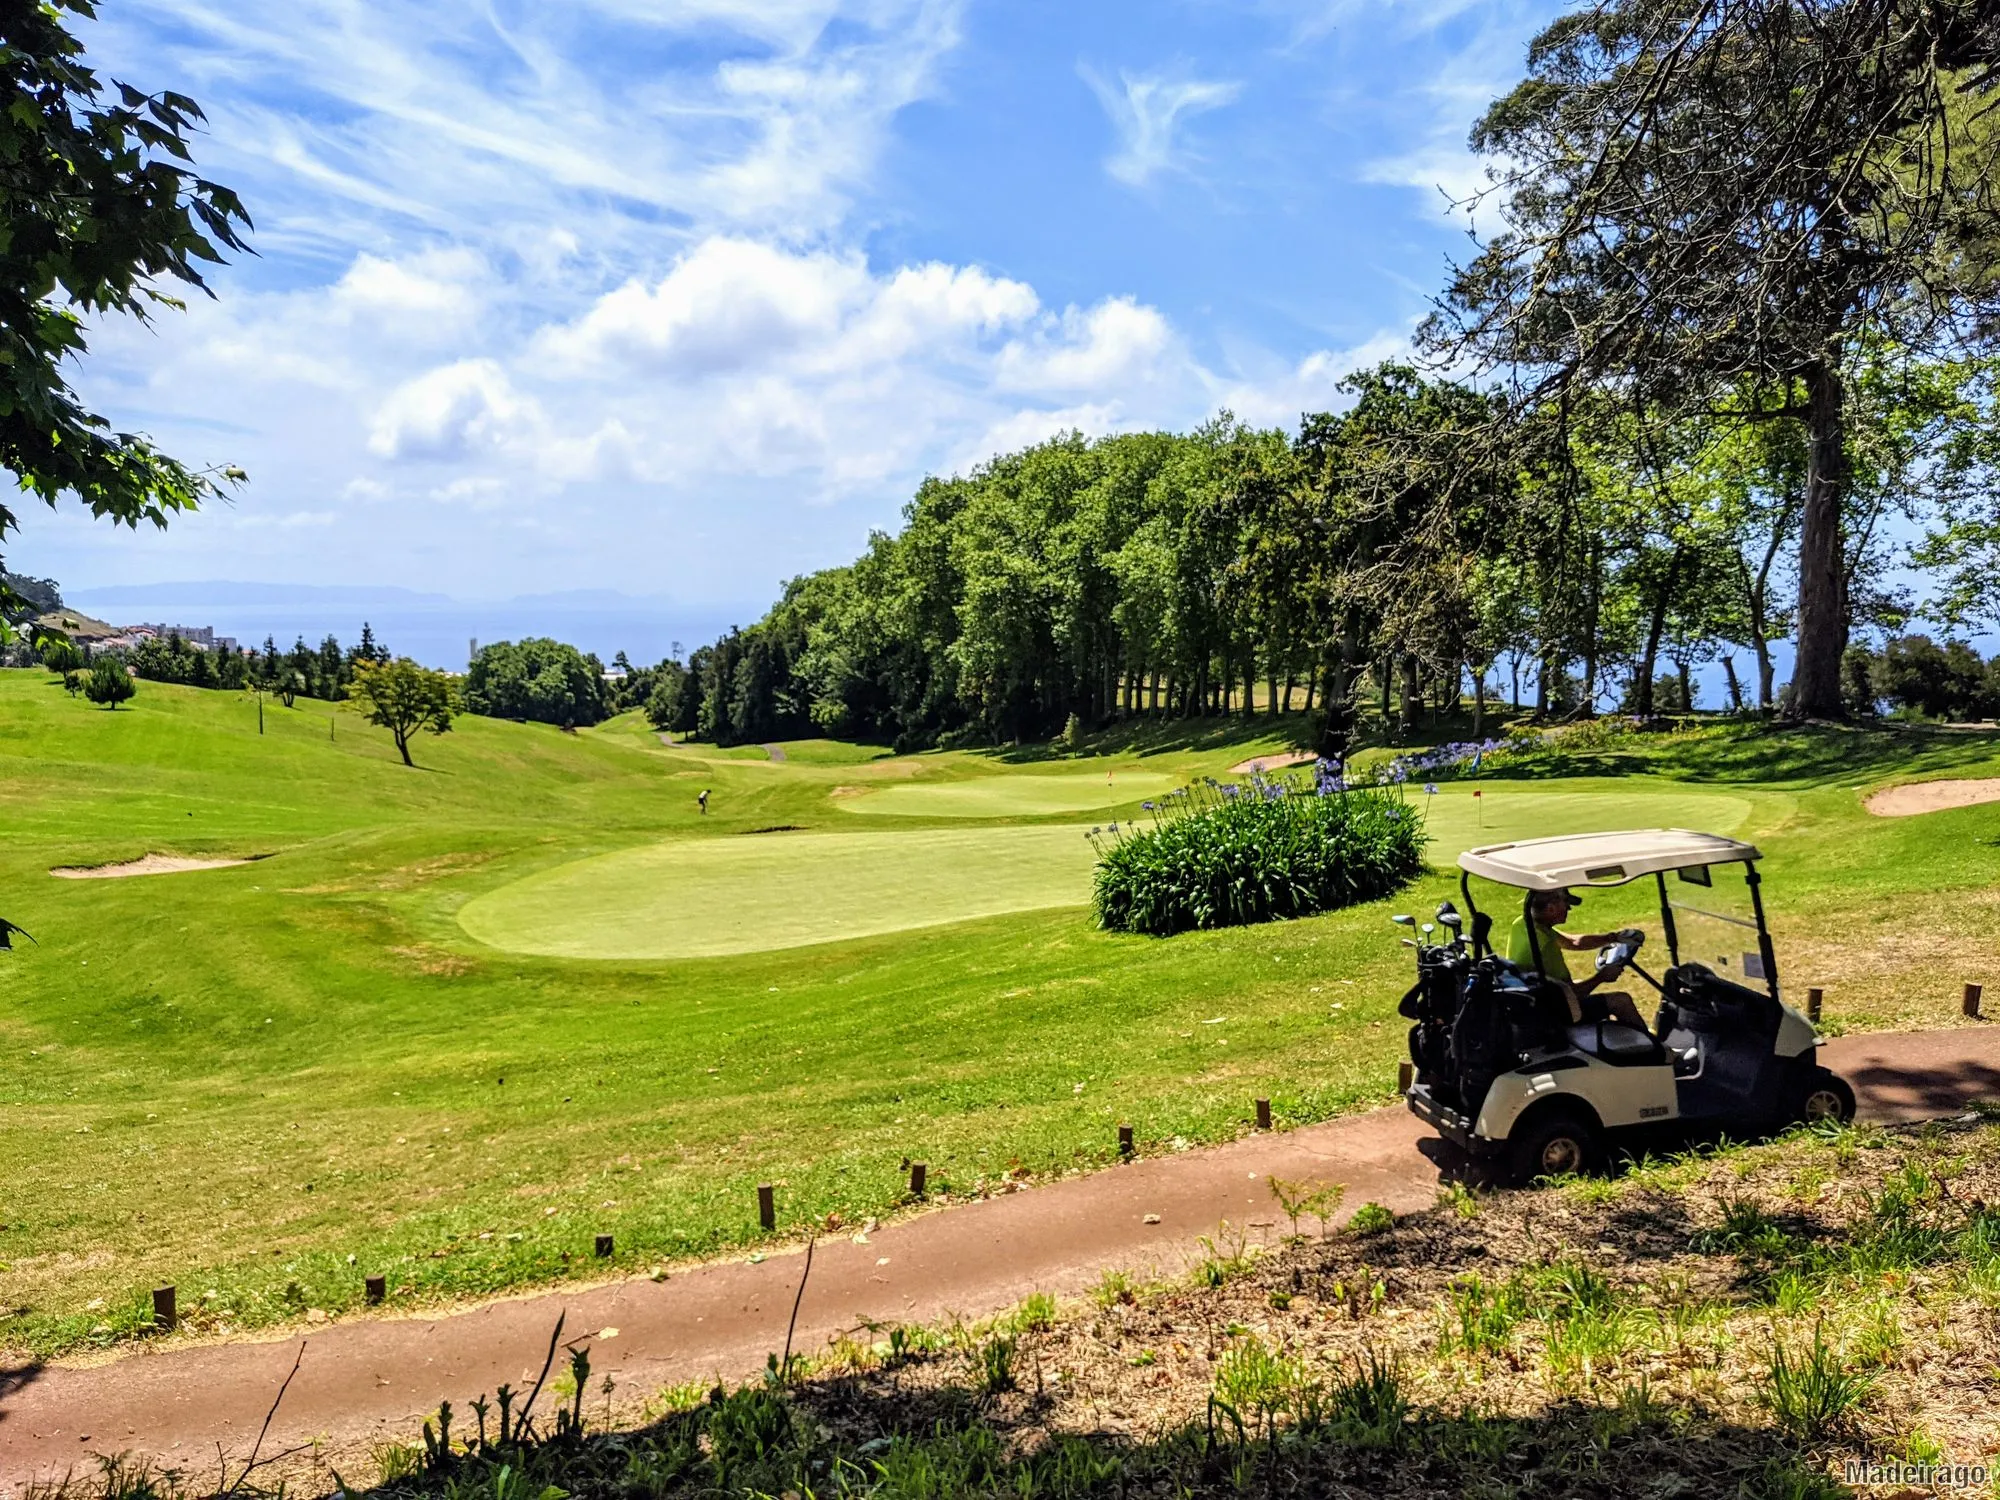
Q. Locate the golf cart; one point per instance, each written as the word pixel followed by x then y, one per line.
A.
pixel 1502 1070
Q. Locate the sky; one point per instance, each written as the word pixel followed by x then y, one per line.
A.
pixel 680 298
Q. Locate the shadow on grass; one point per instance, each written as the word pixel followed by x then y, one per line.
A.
pixel 1749 752
pixel 890 1433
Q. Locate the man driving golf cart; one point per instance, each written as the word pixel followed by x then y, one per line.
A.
pixel 1537 944
pixel 1514 1059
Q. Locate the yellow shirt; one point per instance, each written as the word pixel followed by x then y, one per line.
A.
pixel 1521 950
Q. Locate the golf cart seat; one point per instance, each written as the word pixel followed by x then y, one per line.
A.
pixel 1616 1043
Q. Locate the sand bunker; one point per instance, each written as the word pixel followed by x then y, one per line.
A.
pixel 151 864
pixel 1931 796
pixel 1272 762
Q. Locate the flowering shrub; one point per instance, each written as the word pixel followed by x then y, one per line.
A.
pixel 1223 854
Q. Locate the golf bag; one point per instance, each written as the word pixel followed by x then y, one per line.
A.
pixel 1433 1003
pixel 1483 1041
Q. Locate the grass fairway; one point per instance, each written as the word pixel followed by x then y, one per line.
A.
pixel 1025 795
pixel 269 1081
pixel 710 897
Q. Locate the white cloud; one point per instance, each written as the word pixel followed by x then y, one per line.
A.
pixel 1146 112
pixel 451 411
pixel 1117 343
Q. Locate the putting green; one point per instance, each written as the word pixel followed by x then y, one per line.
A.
pixel 1457 821
pixel 1023 795
pixel 702 898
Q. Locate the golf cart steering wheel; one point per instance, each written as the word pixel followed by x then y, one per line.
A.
pixel 1622 953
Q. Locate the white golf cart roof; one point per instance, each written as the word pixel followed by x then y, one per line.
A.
pixel 1601 858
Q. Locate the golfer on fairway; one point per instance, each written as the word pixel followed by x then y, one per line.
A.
pixel 1544 951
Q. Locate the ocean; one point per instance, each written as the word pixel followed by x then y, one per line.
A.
pixel 435 629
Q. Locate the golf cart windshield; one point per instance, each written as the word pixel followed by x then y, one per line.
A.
pixel 1710 911
pixel 1714 912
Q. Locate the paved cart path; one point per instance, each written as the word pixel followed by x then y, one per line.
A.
pixel 368 1380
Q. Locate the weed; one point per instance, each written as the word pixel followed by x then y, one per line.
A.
pixel 1881 1341
pixel 1114 1287
pixel 996 1365
pixel 1225 1262
pixel 1810 1391
pixel 1458 1199
pixel 1036 1314
pixel 1479 1319
pixel 397 1462
pixel 1298 1199
pixel 1369 1408
pixel 1250 1377
pixel 1371 1218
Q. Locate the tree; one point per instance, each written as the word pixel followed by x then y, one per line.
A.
pixel 538 679
pixel 1703 195
pixel 403 697
pixel 65 658
pixel 109 684
pixel 104 214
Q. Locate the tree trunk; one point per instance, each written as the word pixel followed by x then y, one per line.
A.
pixel 1735 687
pixel 1822 625
pixel 1650 657
pixel 1312 685
pixel 1388 673
pixel 1542 672
pixel 403 747
pixel 1593 598
pixel 1687 686
pixel 1478 703
pixel 1408 721
pixel 1514 664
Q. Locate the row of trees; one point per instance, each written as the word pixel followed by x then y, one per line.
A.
pixel 1426 540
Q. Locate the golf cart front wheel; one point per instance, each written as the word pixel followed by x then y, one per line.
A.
pixel 1825 1096
pixel 1560 1145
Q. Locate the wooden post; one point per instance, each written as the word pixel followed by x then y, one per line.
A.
pixel 1813 998
pixel 377 1289
pixel 165 1317
pixel 1406 1076
pixel 1972 994
pixel 604 1247
pixel 767 1206
pixel 1124 1140
pixel 1263 1114
pixel 918 1172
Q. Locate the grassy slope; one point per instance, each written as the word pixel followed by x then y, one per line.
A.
pixel 238 1079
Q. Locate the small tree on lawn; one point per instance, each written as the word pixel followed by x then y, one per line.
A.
pixel 64 657
pixel 403 697
pixel 109 683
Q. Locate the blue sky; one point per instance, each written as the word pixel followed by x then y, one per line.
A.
pixel 681 297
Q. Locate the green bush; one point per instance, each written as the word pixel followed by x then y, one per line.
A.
pixel 1224 855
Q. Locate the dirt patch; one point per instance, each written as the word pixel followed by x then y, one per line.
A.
pixel 151 864
pixel 1274 762
pixel 1932 796
pixel 431 960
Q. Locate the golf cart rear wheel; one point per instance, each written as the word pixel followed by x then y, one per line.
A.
pixel 1556 1145
pixel 1824 1096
